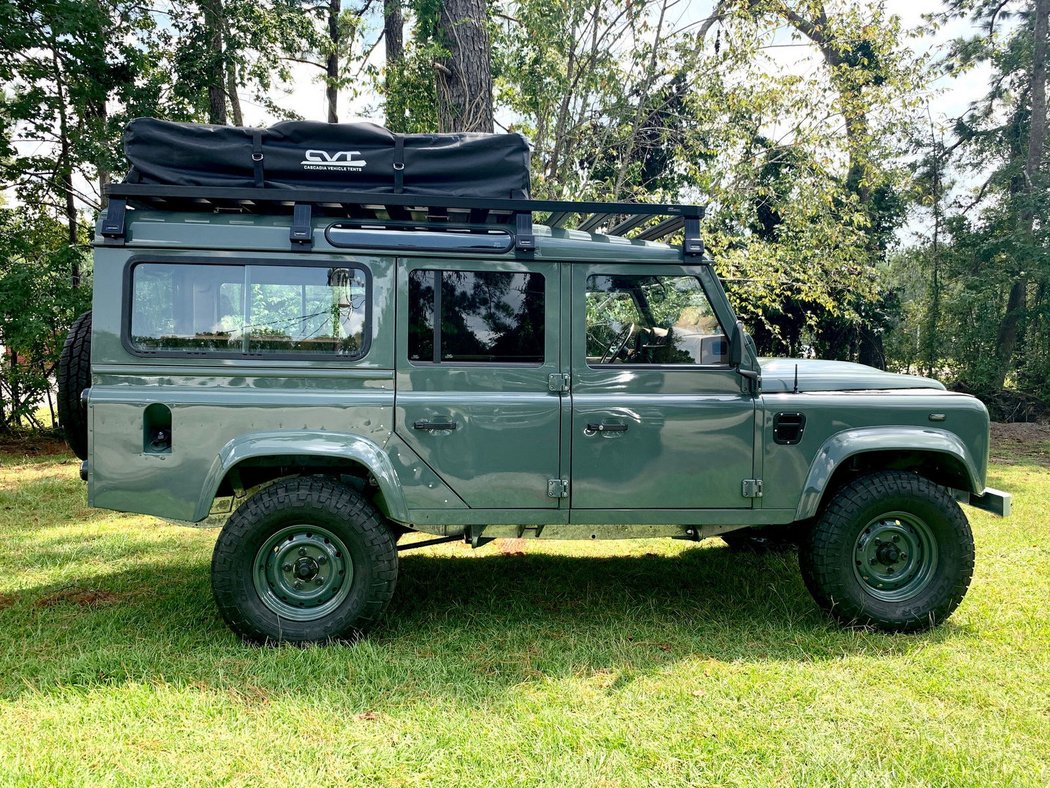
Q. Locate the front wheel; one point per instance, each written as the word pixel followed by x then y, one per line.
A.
pixel 304 560
pixel 891 550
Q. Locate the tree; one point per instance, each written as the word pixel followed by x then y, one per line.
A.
pixel 463 73
pixel 37 304
pixel 393 35
pixel 999 256
pixel 218 48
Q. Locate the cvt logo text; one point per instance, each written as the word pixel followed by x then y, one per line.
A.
pixel 340 160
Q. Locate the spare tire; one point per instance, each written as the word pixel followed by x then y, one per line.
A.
pixel 74 375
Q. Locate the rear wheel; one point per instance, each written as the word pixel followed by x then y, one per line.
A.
pixel 304 560
pixel 892 550
pixel 74 375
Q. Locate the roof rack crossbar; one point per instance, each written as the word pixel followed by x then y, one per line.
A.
pixel 661 230
pixel 557 219
pixel 593 221
pixel 627 224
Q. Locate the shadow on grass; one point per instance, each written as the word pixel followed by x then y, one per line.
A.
pixel 459 627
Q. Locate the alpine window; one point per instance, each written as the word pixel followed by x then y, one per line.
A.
pixel 252 310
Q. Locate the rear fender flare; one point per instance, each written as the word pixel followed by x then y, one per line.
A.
pixel 840 447
pixel 310 444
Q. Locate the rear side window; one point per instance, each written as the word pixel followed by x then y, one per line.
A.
pixel 475 317
pixel 256 310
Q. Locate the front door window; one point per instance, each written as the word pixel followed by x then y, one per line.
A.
pixel 639 319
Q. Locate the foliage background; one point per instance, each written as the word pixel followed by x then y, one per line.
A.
pixel 844 221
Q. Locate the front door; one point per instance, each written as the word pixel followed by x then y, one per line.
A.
pixel 477 346
pixel 659 419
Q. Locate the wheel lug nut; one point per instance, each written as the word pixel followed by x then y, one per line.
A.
pixel 287 567
pixel 298 583
pixel 904 556
pixel 302 551
pixel 319 581
pixel 322 559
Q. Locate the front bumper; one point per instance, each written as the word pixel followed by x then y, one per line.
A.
pixel 990 500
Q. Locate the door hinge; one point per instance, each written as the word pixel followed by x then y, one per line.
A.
pixel 559 382
pixel 752 488
pixel 557 488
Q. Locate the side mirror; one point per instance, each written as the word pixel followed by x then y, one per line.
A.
pixel 736 357
pixel 736 345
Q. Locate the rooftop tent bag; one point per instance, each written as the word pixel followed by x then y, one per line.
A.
pixel 360 157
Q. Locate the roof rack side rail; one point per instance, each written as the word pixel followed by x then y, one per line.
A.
pixel 306 204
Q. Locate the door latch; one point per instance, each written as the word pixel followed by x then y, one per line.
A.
pixel 752 488
pixel 557 488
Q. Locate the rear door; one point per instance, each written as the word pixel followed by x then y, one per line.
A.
pixel 477 345
pixel 659 419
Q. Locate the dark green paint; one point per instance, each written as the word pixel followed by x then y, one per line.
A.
pixel 694 434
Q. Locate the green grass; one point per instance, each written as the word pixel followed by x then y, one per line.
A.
pixel 634 663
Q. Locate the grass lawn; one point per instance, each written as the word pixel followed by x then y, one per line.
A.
pixel 634 663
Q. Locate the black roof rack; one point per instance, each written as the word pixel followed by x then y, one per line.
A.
pixel 650 222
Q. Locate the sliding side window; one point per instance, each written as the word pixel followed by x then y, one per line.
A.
pixel 469 317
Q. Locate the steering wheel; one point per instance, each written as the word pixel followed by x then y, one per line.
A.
pixel 617 346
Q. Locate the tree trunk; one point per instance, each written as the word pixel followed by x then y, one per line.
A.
pixel 1010 327
pixel 213 24
pixel 393 32
pixel 64 169
pixel 393 39
pixel 464 78
pixel 331 90
pixel 232 94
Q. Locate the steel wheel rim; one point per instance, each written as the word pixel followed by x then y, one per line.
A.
pixel 895 556
pixel 303 572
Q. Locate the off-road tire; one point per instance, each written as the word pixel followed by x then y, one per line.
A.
pixel 829 555
pixel 312 500
pixel 74 375
pixel 763 540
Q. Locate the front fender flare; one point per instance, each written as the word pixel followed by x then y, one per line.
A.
pixel 311 444
pixel 840 447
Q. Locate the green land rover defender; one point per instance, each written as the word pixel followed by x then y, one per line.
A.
pixel 328 369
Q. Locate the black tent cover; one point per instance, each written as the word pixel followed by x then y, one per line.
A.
pixel 360 157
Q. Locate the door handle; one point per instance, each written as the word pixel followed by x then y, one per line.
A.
pixel 435 425
pixel 617 427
